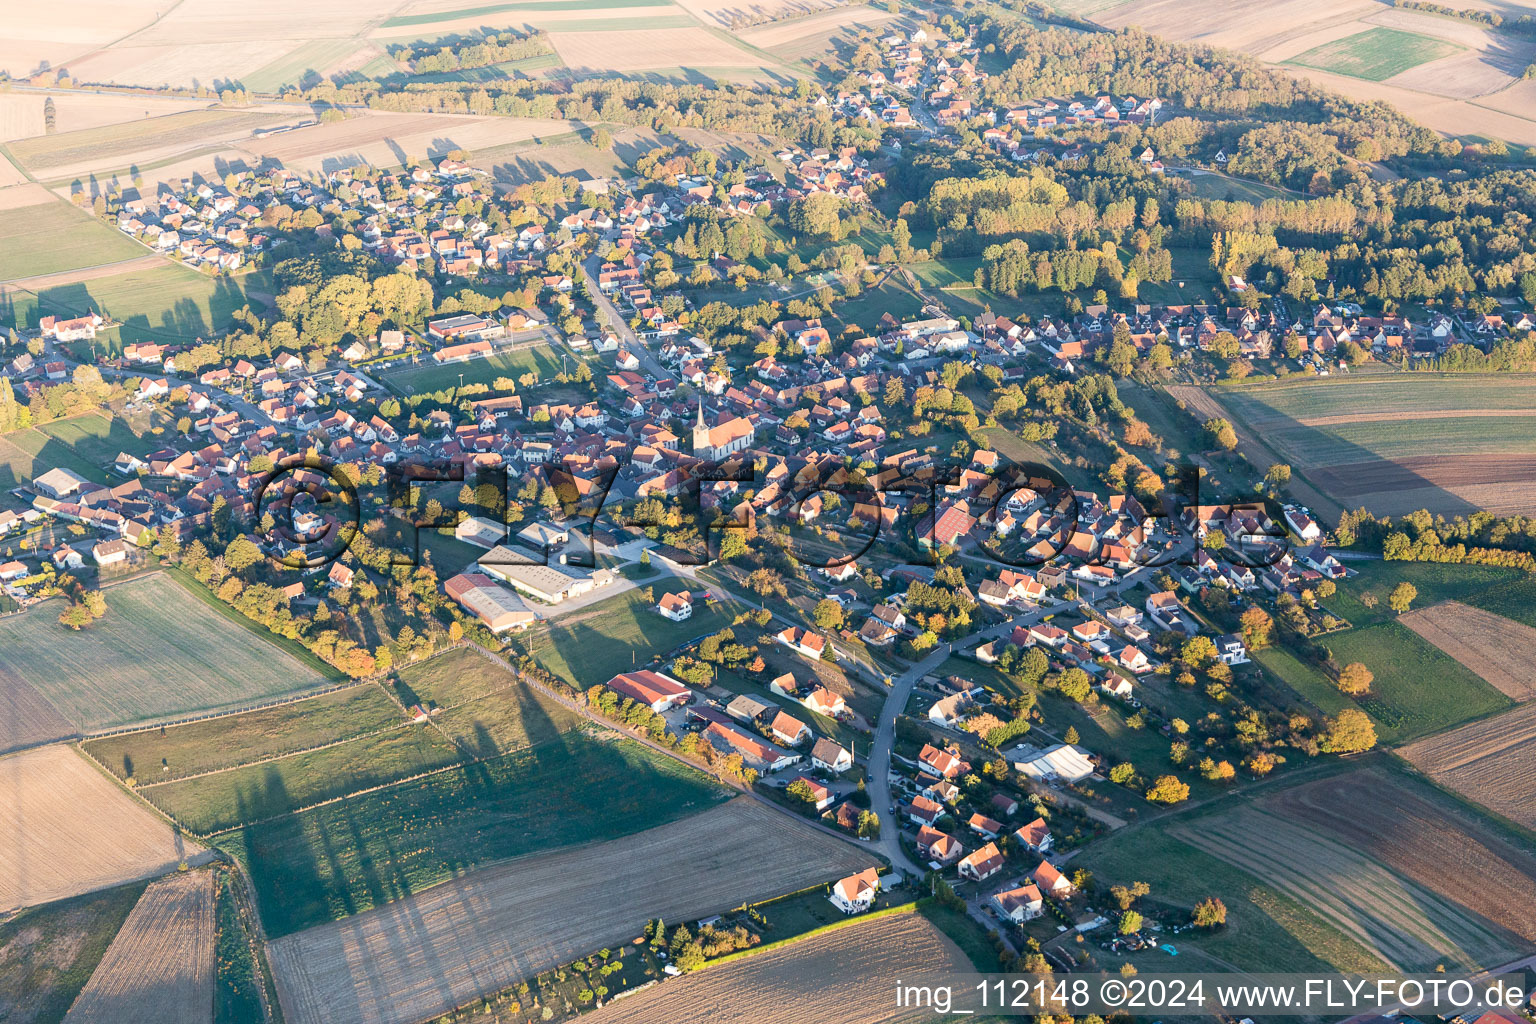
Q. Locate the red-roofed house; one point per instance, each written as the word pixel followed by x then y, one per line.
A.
pixel 656 691
pixel 982 864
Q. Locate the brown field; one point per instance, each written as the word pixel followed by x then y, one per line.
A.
pixel 485 932
pixel 70 830
pixel 1500 650
pixel 817 25
pixel 1492 762
pixel 1519 99
pixel 12 180
pixel 1497 59
pixel 1493 879
pixel 160 966
pixel 21 114
pixel 377 137
pixel 1504 484
pixel 181 65
pixel 140 142
pixel 793 984
pixel 726 13
pixel 26 717
pixel 35 33
pixel 648 49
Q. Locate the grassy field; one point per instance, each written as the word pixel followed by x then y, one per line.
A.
pixel 431 377
pixel 1213 185
pixel 55 236
pixel 300 66
pixel 165 304
pixel 1375 54
pixel 494 72
pixel 47 954
pixel 1265 931
pixel 407 20
pixel 101 145
pixel 26 454
pixel 164 755
pixel 612 636
pixel 338 860
pixel 99 438
pixel 485 708
pixel 158 651
pixel 225 799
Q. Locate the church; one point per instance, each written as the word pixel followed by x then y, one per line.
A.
pixel 715 443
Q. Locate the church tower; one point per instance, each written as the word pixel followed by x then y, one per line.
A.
pixel 701 442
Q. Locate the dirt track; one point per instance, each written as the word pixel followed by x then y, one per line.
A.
pixel 485 932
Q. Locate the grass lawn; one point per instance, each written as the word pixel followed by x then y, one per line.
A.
pixel 1375 54
pixel 431 377
pixel 821 725
pixel 1418 689
pixel 965 931
pixel 165 304
pixel 48 953
pixel 239 739
pixel 335 861
pixel 1265 931
pixel 595 644
pixel 99 438
pixel 157 652
pixel 223 800
pixel 26 454
pixel 55 236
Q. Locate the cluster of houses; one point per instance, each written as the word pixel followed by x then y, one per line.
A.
pixel 972 848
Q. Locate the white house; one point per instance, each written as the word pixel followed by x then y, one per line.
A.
pixel 1035 836
pixel 856 893
pixel 1019 905
pixel 1050 880
pixel 831 756
pixel 676 607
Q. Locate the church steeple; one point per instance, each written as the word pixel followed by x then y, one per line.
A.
pixel 701 442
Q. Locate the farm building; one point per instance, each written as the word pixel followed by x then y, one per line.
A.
pixel 656 691
pixel 497 607
pixel 1062 762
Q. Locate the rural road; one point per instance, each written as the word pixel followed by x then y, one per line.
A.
pixel 878 773
pixel 616 320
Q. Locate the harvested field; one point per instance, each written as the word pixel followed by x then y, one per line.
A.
pixel 47 954
pixel 497 926
pixel 791 984
pixel 1492 762
pixel 138 142
pixel 160 966
pixel 21 115
pixel 159 651
pixel 782 33
pixel 70 830
pixel 1372 811
pixel 643 49
pixel 378 138
pixel 28 718
pixel 1501 651
pixel 729 13
pixel 1406 924
pixel 34 34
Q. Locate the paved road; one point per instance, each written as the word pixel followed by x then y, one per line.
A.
pixel 627 337
pixel 878 781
